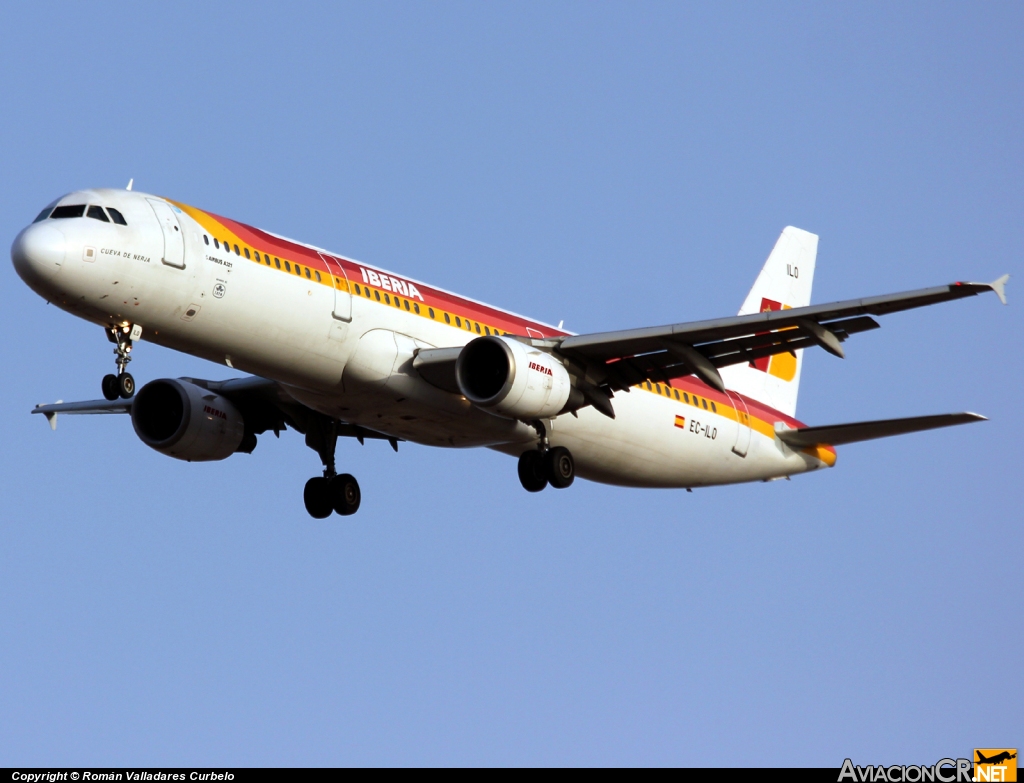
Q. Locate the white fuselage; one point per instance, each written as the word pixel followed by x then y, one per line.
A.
pixel 341 351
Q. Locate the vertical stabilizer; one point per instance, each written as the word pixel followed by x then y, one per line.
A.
pixel 784 282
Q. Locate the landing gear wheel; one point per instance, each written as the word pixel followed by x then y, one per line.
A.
pixel 561 469
pixel 532 474
pixel 125 385
pixel 317 497
pixel 110 387
pixel 345 494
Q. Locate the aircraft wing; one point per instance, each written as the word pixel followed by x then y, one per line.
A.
pixel 618 360
pixel 838 434
pixel 264 404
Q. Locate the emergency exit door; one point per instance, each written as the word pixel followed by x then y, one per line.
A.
pixel 342 293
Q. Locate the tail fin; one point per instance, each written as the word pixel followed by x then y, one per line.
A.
pixel 784 282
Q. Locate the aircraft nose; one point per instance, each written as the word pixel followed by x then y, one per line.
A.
pixel 38 252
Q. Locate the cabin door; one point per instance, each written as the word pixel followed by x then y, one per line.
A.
pixel 742 424
pixel 174 242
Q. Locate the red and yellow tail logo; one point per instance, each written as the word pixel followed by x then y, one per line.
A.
pixel 781 365
pixel 995 764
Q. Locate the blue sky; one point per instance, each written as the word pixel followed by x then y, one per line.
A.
pixel 611 165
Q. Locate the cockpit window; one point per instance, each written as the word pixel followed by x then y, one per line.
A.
pixel 97 213
pixel 46 211
pixel 117 217
pixel 68 211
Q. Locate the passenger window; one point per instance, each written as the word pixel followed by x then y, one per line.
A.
pixel 266 259
pixel 704 403
pixel 686 397
pixel 416 308
pixel 216 243
pixel 376 295
pixel 366 291
pixel 307 274
pixel 287 267
pixel 387 299
pixel 206 239
pixel 358 292
pixel 447 320
pixel 298 270
pixel 406 303
pixel 317 276
pixel 648 384
pixel 118 218
pixel 478 328
pixel 713 408
pixel 398 303
pixel 97 213
pixel 247 254
pixel 277 261
pixel 487 329
pixel 68 211
pixel 236 251
pixel 676 393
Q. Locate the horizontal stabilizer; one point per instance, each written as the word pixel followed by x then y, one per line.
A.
pixel 838 434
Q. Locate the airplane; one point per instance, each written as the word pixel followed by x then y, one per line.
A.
pixel 999 758
pixel 333 347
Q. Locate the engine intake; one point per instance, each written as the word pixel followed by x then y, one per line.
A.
pixel 513 380
pixel 185 421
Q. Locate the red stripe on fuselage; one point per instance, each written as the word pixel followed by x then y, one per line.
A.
pixel 494 317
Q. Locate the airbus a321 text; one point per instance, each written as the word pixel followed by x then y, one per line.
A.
pixel 334 347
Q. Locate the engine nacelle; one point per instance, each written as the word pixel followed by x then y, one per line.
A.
pixel 185 421
pixel 511 379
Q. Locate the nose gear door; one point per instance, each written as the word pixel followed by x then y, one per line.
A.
pixel 174 242
pixel 342 292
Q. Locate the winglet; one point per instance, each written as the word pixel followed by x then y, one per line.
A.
pixel 999 286
pixel 51 416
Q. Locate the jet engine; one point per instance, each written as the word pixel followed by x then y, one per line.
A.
pixel 511 379
pixel 185 421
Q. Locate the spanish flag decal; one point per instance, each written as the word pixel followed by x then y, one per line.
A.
pixel 681 422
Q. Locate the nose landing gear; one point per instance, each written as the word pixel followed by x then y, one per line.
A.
pixel 123 384
pixel 332 491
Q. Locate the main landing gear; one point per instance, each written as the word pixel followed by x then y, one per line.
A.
pixel 123 384
pixel 332 492
pixel 554 466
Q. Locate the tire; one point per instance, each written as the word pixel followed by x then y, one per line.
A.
pixel 532 474
pixel 317 497
pixel 345 494
pixel 561 469
pixel 125 386
pixel 110 387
